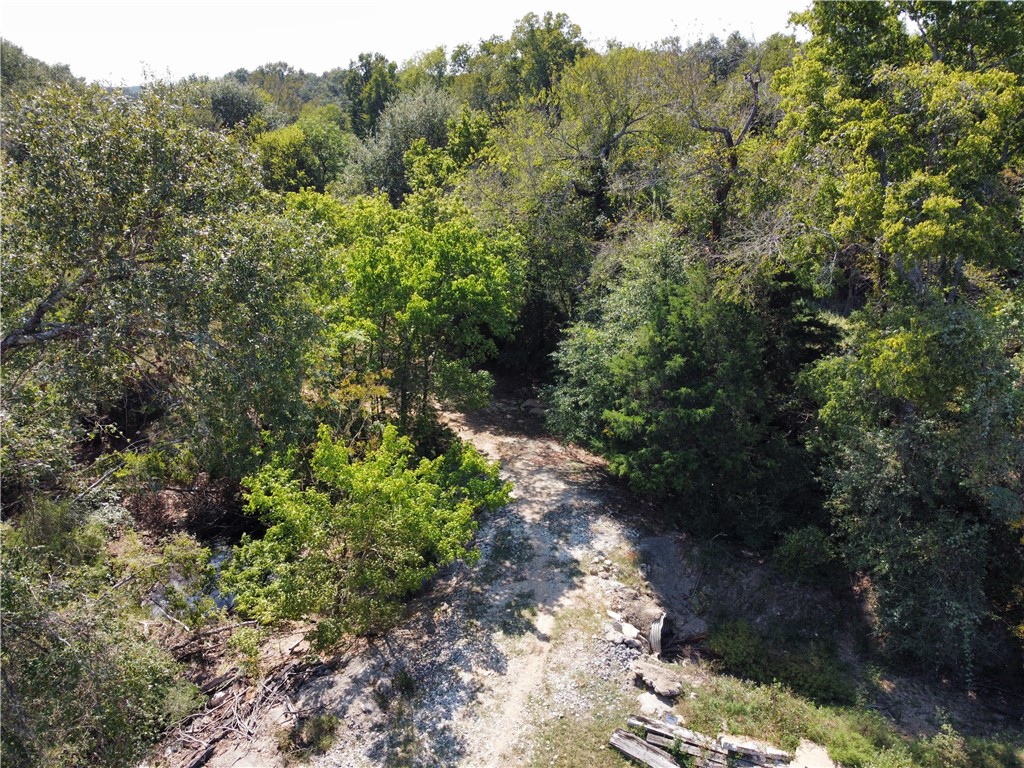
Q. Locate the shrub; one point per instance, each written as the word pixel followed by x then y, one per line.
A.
pixel 356 539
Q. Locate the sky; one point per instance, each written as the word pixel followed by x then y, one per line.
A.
pixel 126 43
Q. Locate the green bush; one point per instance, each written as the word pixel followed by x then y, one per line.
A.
pixel 806 554
pixel 349 545
pixel 81 683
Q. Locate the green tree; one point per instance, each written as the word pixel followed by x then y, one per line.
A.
pixel 909 139
pixel 311 152
pixel 425 70
pixel 21 73
pixel 380 165
pixel 431 292
pixel 502 72
pixel 370 83
pixel 233 103
pixel 138 246
pixel 685 389
pixel 924 416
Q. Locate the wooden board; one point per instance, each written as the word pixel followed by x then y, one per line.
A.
pixel 636 748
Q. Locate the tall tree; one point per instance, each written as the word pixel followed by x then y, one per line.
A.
pixel 138 244
pixel 370 83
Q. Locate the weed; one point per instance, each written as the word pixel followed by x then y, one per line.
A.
pixel 245 644
pixel 309 736
pixel 404 683
pixel 627 567
pixel 581 739
pixel 809 668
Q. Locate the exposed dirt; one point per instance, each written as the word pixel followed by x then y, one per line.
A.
pixel 495 654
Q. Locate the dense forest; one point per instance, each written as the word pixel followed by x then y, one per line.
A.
pixel 779 286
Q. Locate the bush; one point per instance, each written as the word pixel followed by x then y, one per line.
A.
pixel 806 555
pixel 81 684
pixel 353 542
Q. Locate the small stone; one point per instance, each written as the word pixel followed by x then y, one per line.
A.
pixel 652 706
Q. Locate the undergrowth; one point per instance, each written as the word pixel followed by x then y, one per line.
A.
pixel 854 737
pixel 811 669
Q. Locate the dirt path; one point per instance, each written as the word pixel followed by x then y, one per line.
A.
pixel 496 650
pixel 515 660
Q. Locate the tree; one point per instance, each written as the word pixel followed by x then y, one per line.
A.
pixel 425 70
pixel 432 292
pixel 370 83
pixel 139 246
pixel 528 64
pixel 380 165
pixel 310 153
pixel 20 74
pixel 910 142
pixel 233 103
pixel 685 388
pixel 923 414
pixel 616 117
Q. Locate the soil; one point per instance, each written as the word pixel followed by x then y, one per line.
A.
pixel 491 655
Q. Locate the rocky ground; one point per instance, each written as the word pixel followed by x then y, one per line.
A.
pixel 498 650
pixel 498 663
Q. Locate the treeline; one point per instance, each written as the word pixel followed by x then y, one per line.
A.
pixel 778 285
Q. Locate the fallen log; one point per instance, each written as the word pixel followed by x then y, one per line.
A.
pixel 673 731
pixel 682 740
pixel 705 757
pixel 634 747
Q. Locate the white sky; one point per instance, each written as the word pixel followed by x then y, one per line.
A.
pixel 118 42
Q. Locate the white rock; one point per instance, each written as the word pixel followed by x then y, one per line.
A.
pixel 652 705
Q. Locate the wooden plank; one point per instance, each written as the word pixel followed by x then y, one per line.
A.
pixel 636 748
pixel 754 750
pixel 708 759
pixel 675 732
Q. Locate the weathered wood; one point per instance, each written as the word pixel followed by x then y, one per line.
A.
pixel 726 750
pixel 707 758
pixel 636 748
pixel 674 732
pixel 759 751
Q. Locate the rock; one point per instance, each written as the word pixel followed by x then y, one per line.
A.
pixel 652 705
pixel 629 631
pixel 661 680
pixel 632 642
pixel 616 638
pixel 691 630
pixel 614 616
pixel 810 755
pixel 469 681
